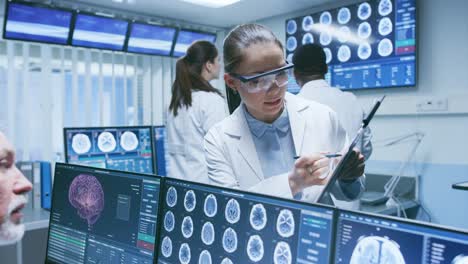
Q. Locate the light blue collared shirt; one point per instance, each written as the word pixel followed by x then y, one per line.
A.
pixel 273 142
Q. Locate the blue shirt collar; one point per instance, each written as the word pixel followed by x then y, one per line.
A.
pixel 258 128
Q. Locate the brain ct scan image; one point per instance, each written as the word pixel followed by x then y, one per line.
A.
pixel 364 30
pixel 291 44
pixel 385 7
pixel 230 240
pixel 344 15
pixel 460 259
pixel 325 38
pixel 290 57
pixel 375 249
pixel 385 47
pixel 166 247
pixel 282 253
pixel 364 51
pixel 328 55
pixel 232 211
pixel 255 249
pixel 106 142
pixel 364 11
pixel 344 34
pixel 129 141
pixel 307 39
pixel 205 257
pixel 291 27
pixel 184 254
pixel 226 261
pixel 187 227
pixel 258 217
pixel 344 53
pixel 208 233
pixel 171 197
pixel 169 221
pixel 285 223
pixel 385 26
pixel 325 18
pixel 190 201
pixel 81 143
pixel 307 23
pixel 87 197
pixel 211 205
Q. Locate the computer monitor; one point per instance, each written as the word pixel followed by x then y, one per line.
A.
pixel 151 39
pixel 186 37
pixel 102 216
pixel 207 224
pixel 159 150
pixel 34 22
pixel 364 238
pixel 118 148
pixel 369 44
pixel 99 32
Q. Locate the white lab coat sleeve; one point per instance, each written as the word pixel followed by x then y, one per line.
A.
pixel 366 144
pixel 214 110
pixel 221 172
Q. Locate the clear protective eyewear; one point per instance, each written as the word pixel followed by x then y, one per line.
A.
pixel 263 81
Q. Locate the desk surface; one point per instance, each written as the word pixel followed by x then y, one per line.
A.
pixel 35 219
pixel 383 209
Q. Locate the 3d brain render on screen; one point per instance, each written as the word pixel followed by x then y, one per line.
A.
pixel 87 196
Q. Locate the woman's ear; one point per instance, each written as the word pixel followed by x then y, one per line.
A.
pixel 231 82
pixel 208 66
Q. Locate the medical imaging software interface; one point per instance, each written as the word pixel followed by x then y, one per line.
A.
pixel 127 148
pixel 203 224
pixel 367 45
pixel 159 149
pixel 364 239
pixel 100 216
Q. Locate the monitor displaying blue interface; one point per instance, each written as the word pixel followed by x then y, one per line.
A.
pixel 118 148
pixel 99 32
pixel 150 39
pixel 34 23
pixel 186 37
pixel 160 151
pixel 363 239
pixel 102 216
pixel 367 45
pixel 207 224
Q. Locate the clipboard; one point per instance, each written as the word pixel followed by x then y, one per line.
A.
pixel 323 197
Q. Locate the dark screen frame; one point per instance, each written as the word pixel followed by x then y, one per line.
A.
pixel 129 32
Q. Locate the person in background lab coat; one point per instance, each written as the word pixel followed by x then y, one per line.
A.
pixel 310 68
pixel 254 148
pixel 195 107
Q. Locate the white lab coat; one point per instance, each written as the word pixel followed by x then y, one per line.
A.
pixel 185 153
pixel 232 158
pixel 347 108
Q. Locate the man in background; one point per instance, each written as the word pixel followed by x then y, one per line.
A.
pixel 13 190
pixel 310 68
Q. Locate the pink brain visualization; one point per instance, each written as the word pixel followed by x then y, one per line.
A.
pixel 87 196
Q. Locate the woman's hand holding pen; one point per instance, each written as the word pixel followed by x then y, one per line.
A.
pixel 308 171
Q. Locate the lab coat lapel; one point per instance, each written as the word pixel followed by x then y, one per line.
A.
pixel 296 121
pixel 246 147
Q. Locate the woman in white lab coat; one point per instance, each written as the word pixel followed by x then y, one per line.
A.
pixel 254 148
pixel 195 107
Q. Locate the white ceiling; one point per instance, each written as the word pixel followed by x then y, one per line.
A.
pixel 241 12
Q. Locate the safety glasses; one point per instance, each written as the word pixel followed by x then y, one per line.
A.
pixel 263 81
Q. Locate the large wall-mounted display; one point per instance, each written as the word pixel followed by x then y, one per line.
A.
pixel 367 45
pixel 187 37
pixel 32 22
pixel 151 39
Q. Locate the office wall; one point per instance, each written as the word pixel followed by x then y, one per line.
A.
pixel 441 158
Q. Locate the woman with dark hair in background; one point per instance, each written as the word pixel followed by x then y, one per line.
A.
pixel 195 107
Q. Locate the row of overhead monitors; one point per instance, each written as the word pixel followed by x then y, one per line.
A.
pixel 135 148
pixel 108 216
pixel 41 23
pixel 370 44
